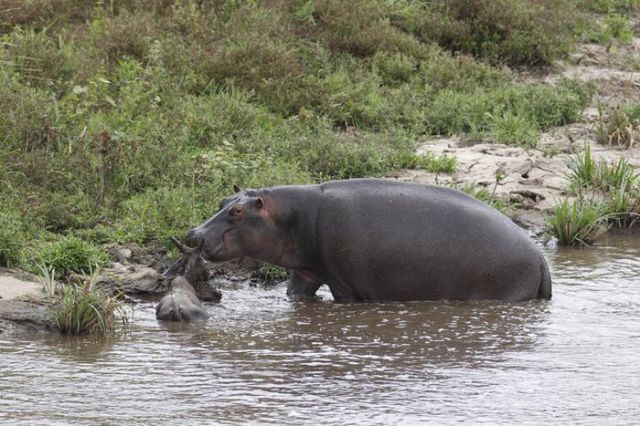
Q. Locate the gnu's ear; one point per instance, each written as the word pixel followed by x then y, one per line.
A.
pixel 236 188
pixel 259 203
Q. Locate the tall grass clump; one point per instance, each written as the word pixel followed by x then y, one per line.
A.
pixel 585 173
pixel 486 196
pixel 578 223
pixel 82 308
pixel 616 128
pixel 608 194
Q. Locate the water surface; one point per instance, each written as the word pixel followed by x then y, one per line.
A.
pixel 262 359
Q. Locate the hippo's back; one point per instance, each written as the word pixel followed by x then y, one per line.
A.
pixel 388 240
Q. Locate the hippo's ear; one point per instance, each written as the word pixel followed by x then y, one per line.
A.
pixel 259 203
pixel 236 188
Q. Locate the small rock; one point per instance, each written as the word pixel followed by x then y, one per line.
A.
pixel 31 315
pixel 135 279
pixel 123 254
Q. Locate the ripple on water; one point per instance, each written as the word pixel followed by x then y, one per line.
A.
pixel 261 358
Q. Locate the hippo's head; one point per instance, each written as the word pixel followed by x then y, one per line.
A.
pixel 245 225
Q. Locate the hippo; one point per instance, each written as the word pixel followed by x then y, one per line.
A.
pixel 378 240
pixel 182 304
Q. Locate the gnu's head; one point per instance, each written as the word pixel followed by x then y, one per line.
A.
pixel 191 265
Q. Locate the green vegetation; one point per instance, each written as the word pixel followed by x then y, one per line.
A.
pixel 71 254
pixel 607 194
pixel 619 128
pixel 609 22
pixel 82 308
pixel 578 224
pixel 130 120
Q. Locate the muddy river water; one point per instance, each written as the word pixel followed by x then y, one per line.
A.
pixel 261 359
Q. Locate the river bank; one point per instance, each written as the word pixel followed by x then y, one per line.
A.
pixel 532 181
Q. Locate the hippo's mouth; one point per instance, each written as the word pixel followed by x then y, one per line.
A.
pixel 217 254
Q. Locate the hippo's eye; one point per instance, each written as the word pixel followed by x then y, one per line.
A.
pixel 236 211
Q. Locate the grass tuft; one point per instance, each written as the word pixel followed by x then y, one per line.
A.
pixel 577 224
pixel 82 308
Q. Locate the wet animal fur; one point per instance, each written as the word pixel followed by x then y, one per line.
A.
pixel 182 304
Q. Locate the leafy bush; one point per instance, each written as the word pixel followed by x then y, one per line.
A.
pixel 521 32
pixel 12 234
pixel 71 254
pixel 519 109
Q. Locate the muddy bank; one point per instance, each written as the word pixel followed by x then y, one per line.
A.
pixel 137 276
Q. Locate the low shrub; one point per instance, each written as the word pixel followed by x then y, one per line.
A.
pixel 513 129
pixel 12 234
pixel 521 32
pixel 71 254
pixel 429 162
pixel 516 111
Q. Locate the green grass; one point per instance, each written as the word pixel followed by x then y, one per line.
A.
pixel 82 308
pixel 128 121
pixel 71 254
pixel 616 186
pixel 578 223
pixel 587 173
pixel 487 196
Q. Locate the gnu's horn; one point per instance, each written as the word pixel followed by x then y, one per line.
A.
pixel 236 188
pixel 183 249
pixel 173 270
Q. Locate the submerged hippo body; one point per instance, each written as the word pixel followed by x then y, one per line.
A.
pixel 371 239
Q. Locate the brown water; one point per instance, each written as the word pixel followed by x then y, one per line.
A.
pixel 261 359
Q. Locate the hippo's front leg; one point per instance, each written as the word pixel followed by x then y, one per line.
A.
pixel 302 286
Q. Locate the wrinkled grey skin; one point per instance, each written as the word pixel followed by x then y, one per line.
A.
pixel 374 240
pixel 182 304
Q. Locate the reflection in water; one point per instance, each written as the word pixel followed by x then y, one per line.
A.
pixel 261 358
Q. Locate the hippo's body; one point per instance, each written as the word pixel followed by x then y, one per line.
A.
pixel 371 239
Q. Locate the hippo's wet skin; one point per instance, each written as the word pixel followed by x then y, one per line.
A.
pixel 371 239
